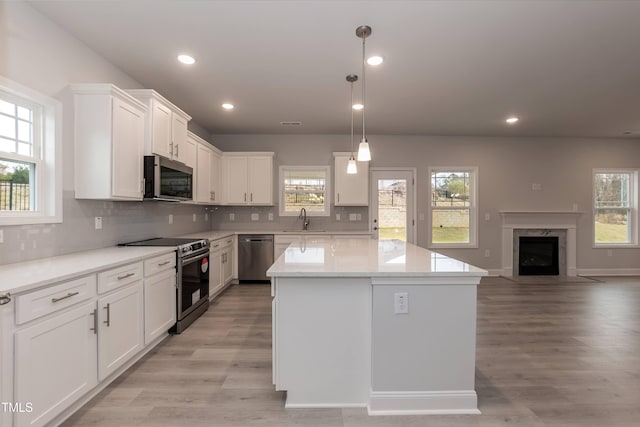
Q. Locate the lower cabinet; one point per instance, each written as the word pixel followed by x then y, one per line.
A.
pixel 221 265
pixel 159 304
pixel 121 328
pixel 227 262
pixel 55 364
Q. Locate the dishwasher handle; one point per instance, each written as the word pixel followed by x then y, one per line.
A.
pixel 258 240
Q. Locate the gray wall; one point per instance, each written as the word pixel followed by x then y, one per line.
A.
pixel 36 53
pixel 507 168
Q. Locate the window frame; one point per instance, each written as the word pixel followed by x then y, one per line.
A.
pixel 46 155
pixel 473 207
pixel 633 208
pixel 327 190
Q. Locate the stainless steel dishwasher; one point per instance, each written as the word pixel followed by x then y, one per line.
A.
pixel 255 256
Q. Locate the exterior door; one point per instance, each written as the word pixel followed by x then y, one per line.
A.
pixel 392 209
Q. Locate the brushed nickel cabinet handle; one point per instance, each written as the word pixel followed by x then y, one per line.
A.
pixel 245 197
pixel 108 308
pixel 125 276
pixel 94 313
pixel 214 195
pixel 5 298
pixel 252 197
pixel 163 263
pixel 69 295
pixel 177 150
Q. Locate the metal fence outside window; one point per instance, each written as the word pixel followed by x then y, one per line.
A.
pixel 14 196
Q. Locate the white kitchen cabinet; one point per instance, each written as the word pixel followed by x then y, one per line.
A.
pixel 121 327
pixel 207 172
pixel 55 363
pixel 109 139
pixel 165 126
pixel 191 152
pixel 350 189
pixel 159 296
pixel 216 172
pixel 221 265
pixel 247 178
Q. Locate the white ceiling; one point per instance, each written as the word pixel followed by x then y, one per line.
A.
pixel 567 68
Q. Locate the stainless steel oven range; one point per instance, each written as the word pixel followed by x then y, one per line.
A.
pixel 192 277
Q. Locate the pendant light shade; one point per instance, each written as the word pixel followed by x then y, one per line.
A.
pixel 352 168
pixel 364 154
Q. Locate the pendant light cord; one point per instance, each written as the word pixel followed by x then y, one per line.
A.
pixel 351 108
pixel 364 138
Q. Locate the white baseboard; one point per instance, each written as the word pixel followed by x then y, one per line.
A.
pixel 609 271
pixel 495 272
pixel 423 402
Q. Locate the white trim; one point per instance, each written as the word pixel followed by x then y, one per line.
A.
pixel 473 208
pixel 373 190
pixel 633 208
pixel 327 190
pixel 608 271
pixel 47 157
pixel 423 402
pixel 324 405
pixel 494 272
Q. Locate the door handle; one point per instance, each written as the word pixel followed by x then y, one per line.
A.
pixel 69 295
pixel 252 197
pixel 5 298
pixel 108 308
pixel 375 228
pixel 94 313
pixel 245 197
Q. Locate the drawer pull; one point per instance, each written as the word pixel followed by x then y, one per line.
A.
pixel 163 263
pixel 69 295
pixel 94 313
pixel 5 298
pixel 215 246
pixel 125 276
pixel 108 321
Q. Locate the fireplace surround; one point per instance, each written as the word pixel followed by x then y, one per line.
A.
pixel 560 224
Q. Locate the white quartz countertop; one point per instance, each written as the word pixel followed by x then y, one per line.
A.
pixel 25 276
pixel 219 234
pixel 366 258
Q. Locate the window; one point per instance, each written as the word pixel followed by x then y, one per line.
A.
pixel 30 182
pixel 304 187
pixel 615 207
pixel 453 207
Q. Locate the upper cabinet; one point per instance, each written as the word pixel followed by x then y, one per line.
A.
pixel 166 126
pixel 247 178
pixel 109 138
pixel 350 189
pixel 206 172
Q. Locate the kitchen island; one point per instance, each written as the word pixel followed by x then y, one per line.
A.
pixel 379 324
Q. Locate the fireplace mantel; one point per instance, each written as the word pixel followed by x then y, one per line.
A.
pixel 538 220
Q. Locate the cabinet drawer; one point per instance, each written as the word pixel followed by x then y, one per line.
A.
pixel 120 276
pixel 160 263
pixel 45 301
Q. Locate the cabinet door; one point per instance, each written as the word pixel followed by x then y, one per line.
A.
pixel 190 153
pixel 351 189
pixel 216 163
pixel 260 180
pixel 159 304
pixel 55 364
pixel 127 146
pixel 178 137
pixel 121 331
pixel 235 180
pixel 203 175
pixel 227 265
pixel 161 130
pixel 215 271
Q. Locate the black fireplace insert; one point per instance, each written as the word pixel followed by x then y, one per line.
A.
pixel 538 256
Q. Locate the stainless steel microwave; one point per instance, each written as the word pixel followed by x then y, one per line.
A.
pixel 167 180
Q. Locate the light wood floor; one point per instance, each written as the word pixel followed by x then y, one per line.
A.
pixel 548 354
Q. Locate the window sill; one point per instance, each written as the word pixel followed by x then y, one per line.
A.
pixel 29 220
pixel 452 246
pixel 616 246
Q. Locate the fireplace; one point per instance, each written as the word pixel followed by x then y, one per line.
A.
pixel 538 256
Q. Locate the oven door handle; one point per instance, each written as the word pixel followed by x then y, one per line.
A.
pixel 190 259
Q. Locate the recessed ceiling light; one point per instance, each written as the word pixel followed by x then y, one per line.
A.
pixel 512 120
pixel 375 60
pixel 228 106
pixel 186 59
pixel 357 106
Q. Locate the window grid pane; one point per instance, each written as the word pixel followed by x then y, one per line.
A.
pixel 16 191
pixel 304 189
pixel 450 188
pixel 16 125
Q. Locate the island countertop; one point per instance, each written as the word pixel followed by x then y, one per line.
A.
pixel 338 257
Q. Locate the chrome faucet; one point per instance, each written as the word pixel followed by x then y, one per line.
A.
pixel 303 217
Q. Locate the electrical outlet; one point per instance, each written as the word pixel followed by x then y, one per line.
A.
pixel 575 207
pixel 536 187
pixel 353 217
pixel 401 302
pixel 421 216
pixel 270 216
pixel 206 217
pixel 1 236
pixel 255 217
pixel 98 223
pixel 22 246
pixel 609 252
pixel 337 217
pixel 170 219
pixel 487 216
pixel 487 253
pixel 359 217
pixel 232 217
pixel 195 218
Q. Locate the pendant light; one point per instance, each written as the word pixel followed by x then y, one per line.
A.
pixel 352 168
pixel 364 155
